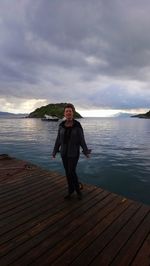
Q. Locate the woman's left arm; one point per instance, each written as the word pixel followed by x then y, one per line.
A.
pixel 86 151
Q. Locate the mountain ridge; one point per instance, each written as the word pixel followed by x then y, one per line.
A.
pixel 8 114
pixel 146 115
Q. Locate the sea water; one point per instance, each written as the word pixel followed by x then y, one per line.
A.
pixel 120 158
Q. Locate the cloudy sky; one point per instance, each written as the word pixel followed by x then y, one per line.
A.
pixel 93 53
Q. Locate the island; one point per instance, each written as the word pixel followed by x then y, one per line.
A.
pixel 51 109
pixel 146 115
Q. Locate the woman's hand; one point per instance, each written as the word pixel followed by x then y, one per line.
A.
pixel 88 154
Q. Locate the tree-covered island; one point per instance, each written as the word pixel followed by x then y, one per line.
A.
pixel 51 109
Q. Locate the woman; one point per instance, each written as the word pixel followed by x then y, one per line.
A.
pixel 69 139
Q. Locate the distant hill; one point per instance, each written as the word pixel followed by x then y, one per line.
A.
pixel 146 115
pixel 11 115
pixel 123 115
pixel 52 110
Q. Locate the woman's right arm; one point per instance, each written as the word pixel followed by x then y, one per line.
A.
pixel 57 144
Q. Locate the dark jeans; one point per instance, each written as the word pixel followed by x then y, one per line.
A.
pixel 70 165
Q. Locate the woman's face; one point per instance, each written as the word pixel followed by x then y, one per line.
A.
pixel 68 113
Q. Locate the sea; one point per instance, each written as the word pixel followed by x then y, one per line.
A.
pixel 120 157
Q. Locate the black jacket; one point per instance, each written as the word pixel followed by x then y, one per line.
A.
pixel 71 147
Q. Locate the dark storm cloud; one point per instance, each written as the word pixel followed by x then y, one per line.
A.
pixel 76 50
pixel 112 31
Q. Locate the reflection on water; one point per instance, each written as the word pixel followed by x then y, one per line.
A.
pixel 120 159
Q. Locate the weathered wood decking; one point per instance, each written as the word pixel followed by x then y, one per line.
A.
pixel 38 227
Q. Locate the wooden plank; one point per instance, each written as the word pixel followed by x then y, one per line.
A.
pixel 66 230
pixel 143 255
pixel 38 227
pixel 26 215
pixel 13 207
pixel 121 238
pixel 129 251
pixel 38 178
pixel 37 197
pixel 9 172
pixel 24 179
pixel 85 226
pixel 29 189
pixel 40 234
pixel 38 219
pixel 27 207
pixel 87 247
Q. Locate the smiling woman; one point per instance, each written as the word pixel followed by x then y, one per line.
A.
pixel 69 139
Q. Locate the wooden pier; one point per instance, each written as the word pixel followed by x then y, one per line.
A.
pixel 39 227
